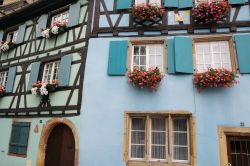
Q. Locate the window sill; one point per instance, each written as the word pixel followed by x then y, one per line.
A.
pixel 17 155
pixel 155 163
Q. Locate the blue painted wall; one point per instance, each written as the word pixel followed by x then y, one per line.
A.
pixel 106 98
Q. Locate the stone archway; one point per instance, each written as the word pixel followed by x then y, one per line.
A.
pixel 47 128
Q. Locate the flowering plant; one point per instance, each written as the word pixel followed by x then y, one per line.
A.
pixel 211 12
pixel 5 46
pixel 147 12
pixel 56 28
pixel 142 78
pixel 215 78
pixel 44 88
pixel 2 91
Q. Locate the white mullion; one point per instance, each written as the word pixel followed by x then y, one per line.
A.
pixel 147 57
pixel 4 78
pixel 203 58
pixel 52 72
pixel 44 72
pixel 133 56
pixel 221 63
pixel 212 54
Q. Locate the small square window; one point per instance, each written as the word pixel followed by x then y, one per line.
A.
pixel 3 78
pixel 145 56
pixel 19 138
pixel 61 17
pixel 50 71
pixel 152 2
pixel 214 54
pixel 12 36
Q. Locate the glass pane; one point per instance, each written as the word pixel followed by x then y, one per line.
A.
pixel 199 58
pixel 142 60
pixel 137 151
pixel 180 153
pixel 158 152
pixel 136 60
pixel 137 137
pixel 143 50
pixel 225 57
pixel 158 138
pixel 159 49
pixel 180 139
pixel 151 60
pixel 217 58
pixel 151 49
pixel 158 124
pixel 138 124
pixel 208 58
pixel 180 125
pixel 136 50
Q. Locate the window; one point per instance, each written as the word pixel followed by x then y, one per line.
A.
pixel 3 78
pixel 61 17
pixel 19 138
pixel 50 71
pixel 152 137
pixel 145 56
pixel 215 53
pixel 202 1
pixel 12 36
pixel 154 2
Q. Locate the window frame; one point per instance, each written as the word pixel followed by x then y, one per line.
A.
pixel 6 73
pixel 168 116
pixel 147 2
pixel 42 71
pixel 57 12
pixel 147 41
pixel 15 34
pixel 19 121
pixel 206 38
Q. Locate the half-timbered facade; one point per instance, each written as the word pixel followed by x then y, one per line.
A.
pixel 178 124
pixel 42 62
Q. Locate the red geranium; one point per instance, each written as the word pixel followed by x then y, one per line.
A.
pixel 2 90
pixel 147 12
pixel 215 78
pixel 145 79
pixel 211 12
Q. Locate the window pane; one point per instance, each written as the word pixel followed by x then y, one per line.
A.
pixel 158 138
pixel 158 152
pixel 137 2
pixel 143 50
pixel 180 125
pixel 180 153
pixel 136 50
pixel 158 124
pixel 137 151
pixel 155 2
pixel 142 60
pixel 180 139
pixel 138 124
pixel 136 60
pixel 137 137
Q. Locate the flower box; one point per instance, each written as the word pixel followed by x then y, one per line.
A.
pixel 214 78
pixel 2 91
pixel 43 89
pixel 6 46
pixel 211 12
pixel 55 29
pixel 145 79
pixel 144 12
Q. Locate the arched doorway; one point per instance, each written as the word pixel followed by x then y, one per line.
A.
pixel 60 149
pixel 47 130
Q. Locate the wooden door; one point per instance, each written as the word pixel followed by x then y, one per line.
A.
pixel 60 150
pixel 238 151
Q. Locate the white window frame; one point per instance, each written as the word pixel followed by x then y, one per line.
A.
pixel 60 15
pixel 197 1
pixel 52 73
pixel 138 2
pixel 188 141
pixel 5 77
pixel 147 55
pixel 15 33
pixel 167 134
pixel 210 43
pixel 130 143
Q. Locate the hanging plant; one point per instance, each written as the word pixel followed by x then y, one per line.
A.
pixel 145 79
pixel 214 78
pixel 2 91
pixel 6 46
pixel 57 28
pixel 211 12
pixel 146 12
pixel 43 89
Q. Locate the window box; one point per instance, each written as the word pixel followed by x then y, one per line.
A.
pixel 215 78
pixel 2 91
pixel 210 12
pixel 55 29
pixel 145 79
pixel 147 12
pixel 44 88
pixel 6 46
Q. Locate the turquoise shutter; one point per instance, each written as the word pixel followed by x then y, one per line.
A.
pixel 24 137
pixel 183 55
pixel 243 50
pixel 20 34
pixel 15 135
pixel 41 24
pixel 74 14
pixel 33 74
pixel 185 4
pixel 123 4
pixel 171 59
pixel 11 79
pixel 64 71
pixel 171 3
pixel 1 35
pixel 117 58
pixel 236 2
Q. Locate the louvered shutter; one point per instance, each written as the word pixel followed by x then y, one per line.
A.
pixel 171 3
pixel 33 74
pixel 171 56
pixel 123 4
pixel 11 79
pixel 236 2
pixel 20 34
pixel 24 137
pixel 41 24
pixel 64 71
pixel 74 14
pixel 117 58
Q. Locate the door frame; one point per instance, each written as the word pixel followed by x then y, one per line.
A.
pixel 223 132
pixel 47 128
